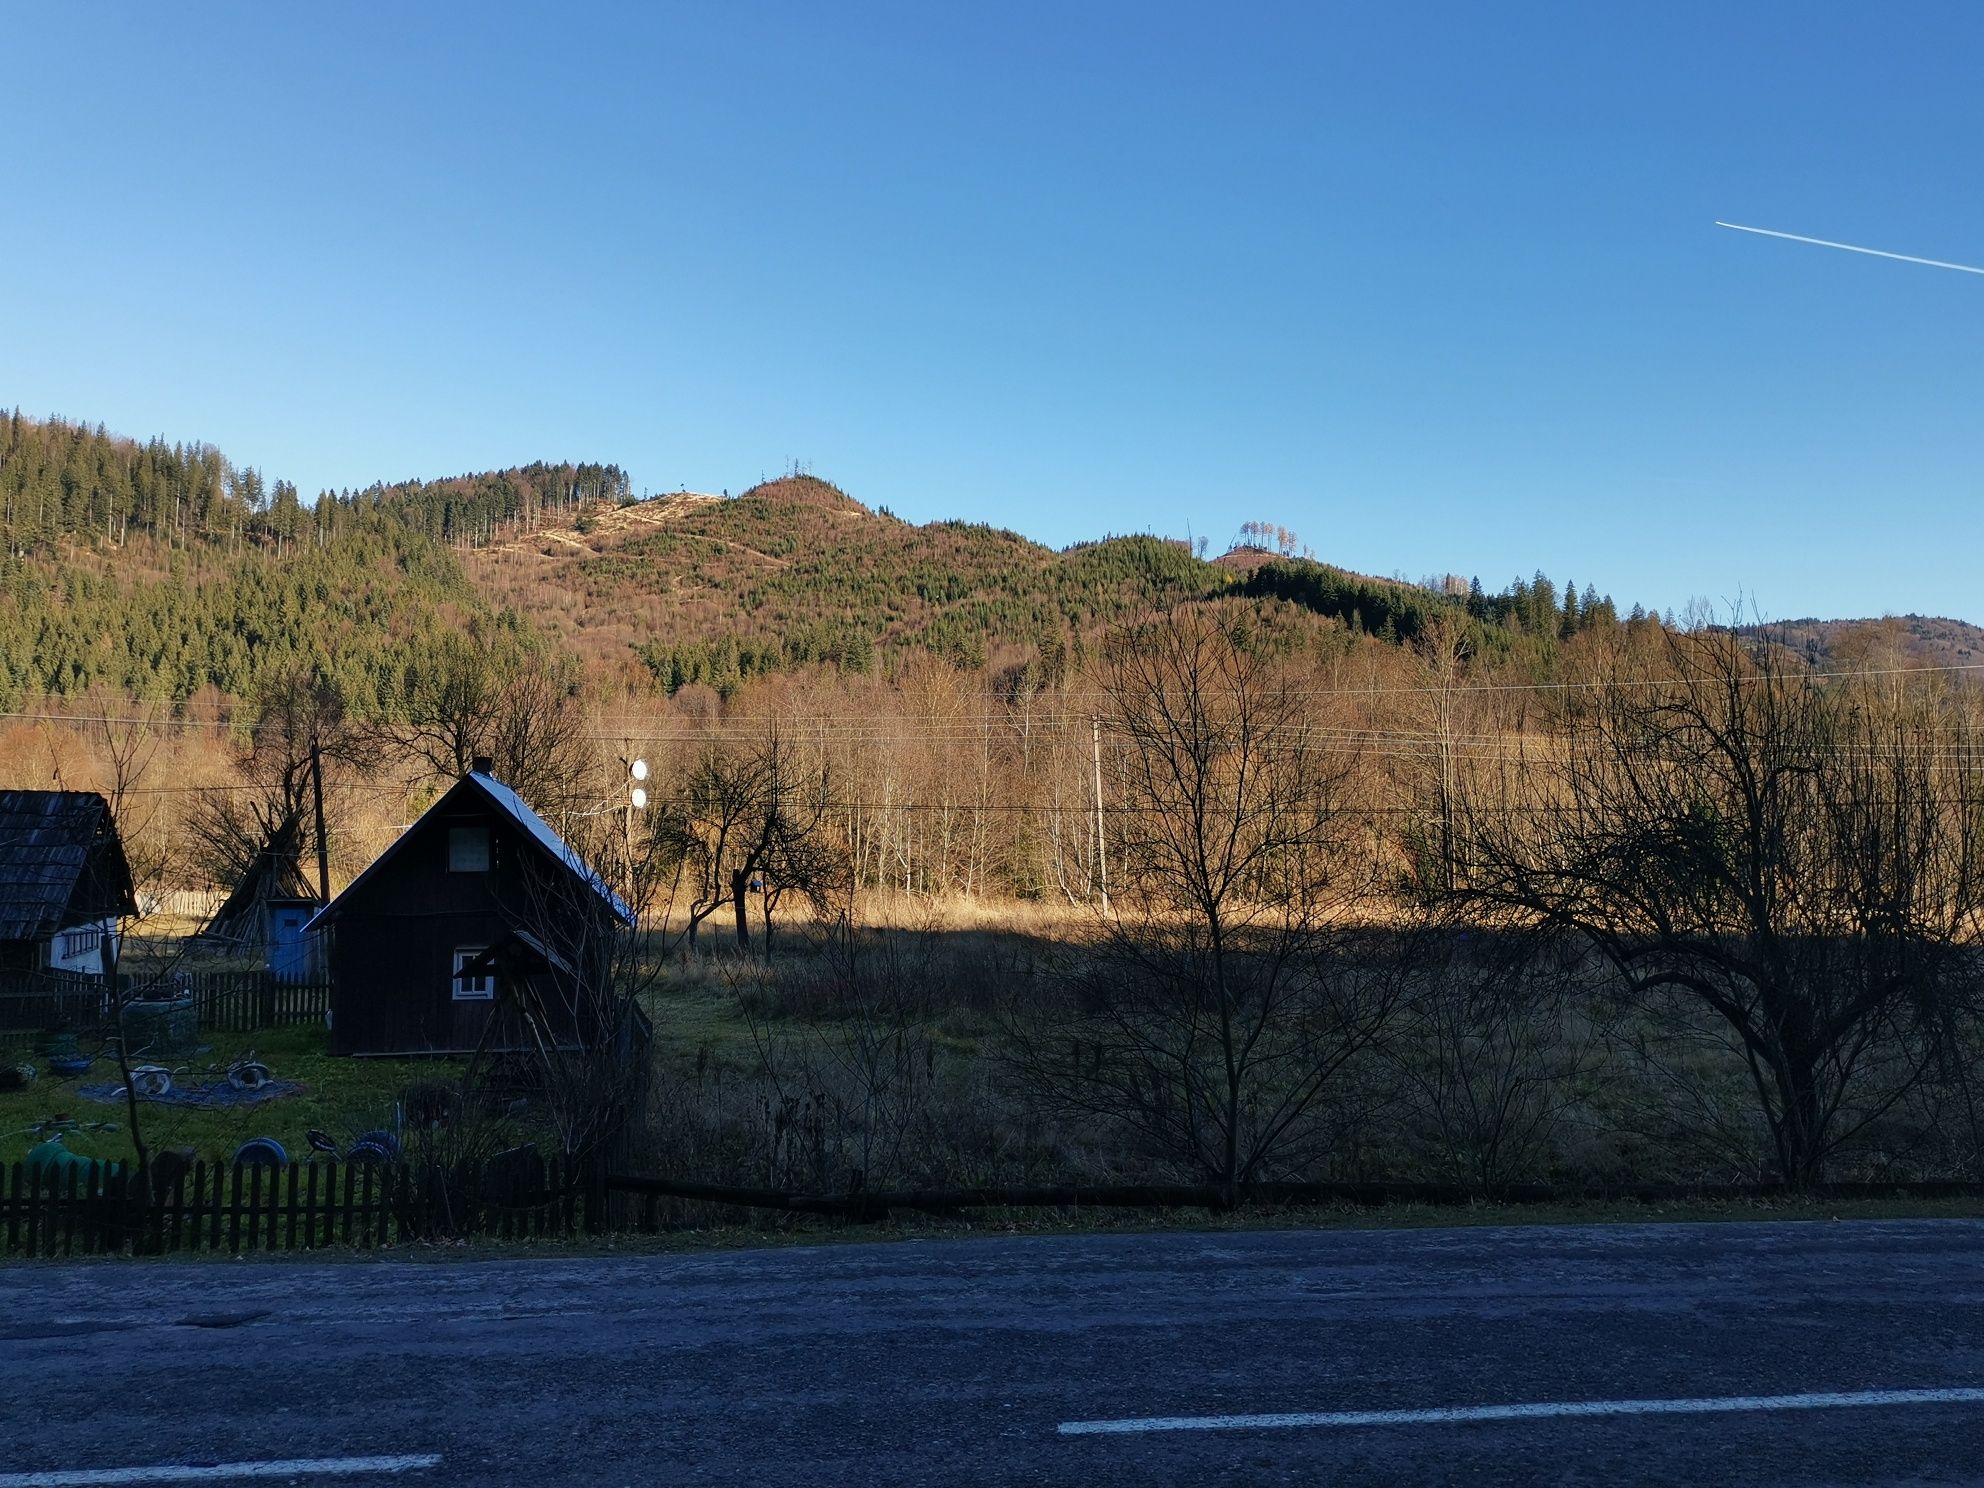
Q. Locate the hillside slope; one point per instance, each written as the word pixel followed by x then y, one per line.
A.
pixel 1895 640
pixel 163 570
pixel 712 590
pixel 699 589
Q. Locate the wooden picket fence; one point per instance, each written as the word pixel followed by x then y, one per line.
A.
pixel 32 1001
pixel 249 1001
pixel 240 1208
pixel 224 1001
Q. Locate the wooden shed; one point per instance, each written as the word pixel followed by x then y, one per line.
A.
pixel 266 913
pixel 411 938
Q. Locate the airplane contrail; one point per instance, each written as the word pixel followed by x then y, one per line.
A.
pixel 1934 263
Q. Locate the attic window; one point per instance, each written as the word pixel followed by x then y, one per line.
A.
pixel 468 849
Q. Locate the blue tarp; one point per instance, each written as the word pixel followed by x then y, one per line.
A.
pixel 213 1093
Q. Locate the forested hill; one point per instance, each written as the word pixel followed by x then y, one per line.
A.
pixel 162 571
pixel 64 485
pixel 1896 640
pixel 474 510
pixel 795 571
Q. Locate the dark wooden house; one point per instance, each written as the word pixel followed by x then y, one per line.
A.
pixel 479 928
pixel 64 883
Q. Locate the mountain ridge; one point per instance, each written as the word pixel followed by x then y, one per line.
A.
pixel 164 570
pixel 1897 640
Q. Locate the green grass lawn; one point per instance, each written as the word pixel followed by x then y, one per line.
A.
pixel 341 1096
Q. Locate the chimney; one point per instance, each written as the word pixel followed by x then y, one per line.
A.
pixel 482 764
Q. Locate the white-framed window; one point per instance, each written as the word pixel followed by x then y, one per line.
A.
pixel 468 849
pixel 479 988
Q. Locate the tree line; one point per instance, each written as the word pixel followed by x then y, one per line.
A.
pixel 1722 911
pixel 67 483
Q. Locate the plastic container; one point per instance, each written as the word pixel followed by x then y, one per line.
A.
pixel 50 1164
pixel 165 1026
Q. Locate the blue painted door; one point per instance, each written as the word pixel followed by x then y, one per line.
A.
pixel 292 954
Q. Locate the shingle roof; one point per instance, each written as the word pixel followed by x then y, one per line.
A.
pixel 518 810
pixel 58 852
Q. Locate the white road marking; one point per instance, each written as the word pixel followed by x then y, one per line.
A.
pixel 221 1472
pixel 1545 1410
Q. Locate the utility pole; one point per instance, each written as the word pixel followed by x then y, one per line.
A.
pixel 323 843
pixel 637 800
pixel 1101 851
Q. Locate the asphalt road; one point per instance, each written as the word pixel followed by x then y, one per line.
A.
pixel 992 1361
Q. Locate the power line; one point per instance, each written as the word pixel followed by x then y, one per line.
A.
pixel 1477 749
pixel 638 729
pixel 1588 685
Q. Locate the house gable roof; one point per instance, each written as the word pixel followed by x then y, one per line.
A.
pixel 511 805
pixel 54 847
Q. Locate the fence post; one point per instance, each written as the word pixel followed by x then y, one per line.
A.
pixel 595 1173
pixel 234 1210
pixel 392 1198
pixel 177 1227
pixel 117 1213
pixel 68 1210
pixel 220 1203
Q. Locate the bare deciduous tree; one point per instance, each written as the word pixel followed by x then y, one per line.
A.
pixel 1493 1051
pixel 1797 860
pixel 567 1038
pixel 127 735
pixel 760 815
pixel 848 1094
pixel 271 814
pixel 1443 647
pixel 1219 1003
pixel 467 698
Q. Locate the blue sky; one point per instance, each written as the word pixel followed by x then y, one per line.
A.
pixel 1436 286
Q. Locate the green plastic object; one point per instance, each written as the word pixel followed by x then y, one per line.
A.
pixel 49 1165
